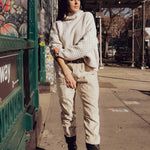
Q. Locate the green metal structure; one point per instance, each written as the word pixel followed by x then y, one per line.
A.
pixel 19 108
pixel 42 72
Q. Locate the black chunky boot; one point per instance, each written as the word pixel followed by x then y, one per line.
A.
pixel 71 141
pixel 92 147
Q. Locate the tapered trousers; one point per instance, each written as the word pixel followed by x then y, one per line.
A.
pixel 88 89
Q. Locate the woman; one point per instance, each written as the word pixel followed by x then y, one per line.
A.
pixel 74 44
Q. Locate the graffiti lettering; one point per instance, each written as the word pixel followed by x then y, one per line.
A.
pixel 14 82
pixel 5 73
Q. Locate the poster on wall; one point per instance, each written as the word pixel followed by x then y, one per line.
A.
pixel 9 74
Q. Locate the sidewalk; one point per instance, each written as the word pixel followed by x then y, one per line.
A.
pixel 124 110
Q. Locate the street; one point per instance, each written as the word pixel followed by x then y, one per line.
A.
pixel 124 112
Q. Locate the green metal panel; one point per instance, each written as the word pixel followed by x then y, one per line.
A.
pixel 10 109
pixel 42 72
pixel 33 54
pixel 17 136
pixel 15 118
pixel 21 72
pixel 22 144
pixel 12 105
pixel 8 43
pixel 12 141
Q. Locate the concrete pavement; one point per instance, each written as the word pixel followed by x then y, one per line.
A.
pixel 124 110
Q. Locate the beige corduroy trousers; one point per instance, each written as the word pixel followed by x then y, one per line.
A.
pixel 88 89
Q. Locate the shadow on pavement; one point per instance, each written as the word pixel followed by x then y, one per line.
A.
pixel 145 92
pixel 123 79
pixel 38 148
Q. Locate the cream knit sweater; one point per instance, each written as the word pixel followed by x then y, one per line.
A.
pixel 76 38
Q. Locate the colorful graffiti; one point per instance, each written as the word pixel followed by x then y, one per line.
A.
pixel 13 18
pixel 47 13
pixel 13 22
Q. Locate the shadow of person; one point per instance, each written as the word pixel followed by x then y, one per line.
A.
pixel 38 148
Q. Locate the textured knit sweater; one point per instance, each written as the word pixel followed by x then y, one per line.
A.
pixel 76 38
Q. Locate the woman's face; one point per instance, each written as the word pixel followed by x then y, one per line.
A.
pixel 74 5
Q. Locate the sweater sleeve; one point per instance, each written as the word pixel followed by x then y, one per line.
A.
pixel 54 37
pixel 85 45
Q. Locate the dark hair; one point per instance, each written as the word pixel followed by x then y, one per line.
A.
pixel 63 6
pixel 63 9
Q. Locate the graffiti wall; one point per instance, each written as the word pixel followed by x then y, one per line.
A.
pixel 13 22
pixel 13 18
pixel 47 14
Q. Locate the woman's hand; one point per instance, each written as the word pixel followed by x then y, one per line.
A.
pixel 70 81
pixel 56 51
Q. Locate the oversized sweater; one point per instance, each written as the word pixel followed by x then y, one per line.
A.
pixel 76 38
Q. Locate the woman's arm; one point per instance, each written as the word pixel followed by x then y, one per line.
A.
pixel 55 46
pixel 70 82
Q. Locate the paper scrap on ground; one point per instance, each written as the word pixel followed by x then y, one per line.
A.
pixel 118 110
pixel 131 102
